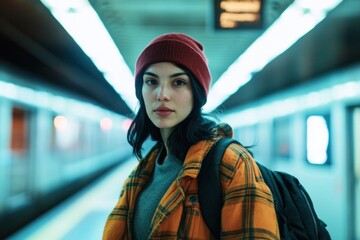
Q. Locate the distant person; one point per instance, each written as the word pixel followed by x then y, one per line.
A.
pixel 159 200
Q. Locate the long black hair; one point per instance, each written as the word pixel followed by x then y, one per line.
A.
pixel 197 126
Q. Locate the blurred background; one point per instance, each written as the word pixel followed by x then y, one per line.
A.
pixel 285 76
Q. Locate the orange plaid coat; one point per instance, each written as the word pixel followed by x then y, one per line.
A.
pixel 248 211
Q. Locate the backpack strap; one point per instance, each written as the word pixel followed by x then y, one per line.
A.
pixel 209 185
pixel 210 190
pixel 269 179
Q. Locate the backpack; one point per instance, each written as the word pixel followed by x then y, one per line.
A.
pixel 295 212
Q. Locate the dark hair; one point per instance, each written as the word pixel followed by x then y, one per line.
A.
pixel 198 127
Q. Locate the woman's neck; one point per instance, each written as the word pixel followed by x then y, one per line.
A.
pixel 165 133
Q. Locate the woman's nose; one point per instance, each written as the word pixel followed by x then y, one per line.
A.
pixel 163 93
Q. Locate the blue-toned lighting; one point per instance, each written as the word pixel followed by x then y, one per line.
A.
pixel 317 141
pixel 83 24
pixel 298 19
pixel 339 86
pixel 53 102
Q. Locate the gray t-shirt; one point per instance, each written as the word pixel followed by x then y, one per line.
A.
pixel 149 198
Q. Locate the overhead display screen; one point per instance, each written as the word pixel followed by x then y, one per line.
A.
pixel 238 14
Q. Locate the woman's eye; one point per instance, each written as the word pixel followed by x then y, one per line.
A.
pixel 179 82
pixel 150 81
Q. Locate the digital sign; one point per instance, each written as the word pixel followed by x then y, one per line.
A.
pixel 237 14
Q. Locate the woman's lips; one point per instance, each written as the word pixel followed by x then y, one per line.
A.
pixel 163 111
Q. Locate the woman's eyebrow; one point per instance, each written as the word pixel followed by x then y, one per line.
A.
pixel 151 74
pixel 178 74
pixel 172 75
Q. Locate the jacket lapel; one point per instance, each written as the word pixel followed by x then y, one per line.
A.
pixel 139 180
pixel 175 195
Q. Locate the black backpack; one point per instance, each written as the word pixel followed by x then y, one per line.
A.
pixel 295 212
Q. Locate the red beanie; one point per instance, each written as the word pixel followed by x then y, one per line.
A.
pixel 179 49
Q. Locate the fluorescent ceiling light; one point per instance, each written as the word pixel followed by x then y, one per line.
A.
pixel 83 24
pixel 57 103
pixel 338 86
pixel 298 19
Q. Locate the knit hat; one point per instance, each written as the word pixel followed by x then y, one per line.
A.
pixel 179 49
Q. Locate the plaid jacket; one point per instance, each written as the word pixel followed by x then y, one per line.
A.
pixel 248 211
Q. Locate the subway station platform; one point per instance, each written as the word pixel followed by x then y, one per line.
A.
pixel 83 215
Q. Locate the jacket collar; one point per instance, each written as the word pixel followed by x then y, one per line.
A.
pixel 194 158
pixel 197 152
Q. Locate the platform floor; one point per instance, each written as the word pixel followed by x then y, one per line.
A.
pixel 83 215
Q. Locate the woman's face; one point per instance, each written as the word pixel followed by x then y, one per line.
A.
pixel 167 94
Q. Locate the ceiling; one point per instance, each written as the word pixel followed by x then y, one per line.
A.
pixel 133 24
pixel 32 41
pixel 34 45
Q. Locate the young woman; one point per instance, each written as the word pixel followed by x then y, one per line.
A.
pixel 159 200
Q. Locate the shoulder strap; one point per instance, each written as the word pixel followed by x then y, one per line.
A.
pixel 269 179
pixel 209 186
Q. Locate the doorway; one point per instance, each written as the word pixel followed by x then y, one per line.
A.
pixel 354 168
